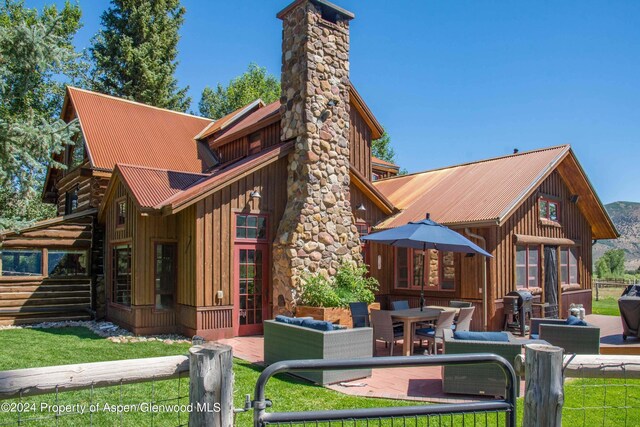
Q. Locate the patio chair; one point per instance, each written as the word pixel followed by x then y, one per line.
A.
pixel 359 314
pixel 400 305
pixel 434 335
pixel 464 319
pixel 383 329
pixel 460 304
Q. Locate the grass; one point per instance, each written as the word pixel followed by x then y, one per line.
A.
pixel 607 303
pixel 21 348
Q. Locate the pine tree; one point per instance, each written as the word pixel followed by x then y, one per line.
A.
pixel 134 55
pixel 382 149
pixel 36 55
pixel 255 83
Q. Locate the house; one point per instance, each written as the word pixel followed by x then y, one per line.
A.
pixel 535 212
pixel 170 222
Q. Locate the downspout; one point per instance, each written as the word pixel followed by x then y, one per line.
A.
pixel 484 276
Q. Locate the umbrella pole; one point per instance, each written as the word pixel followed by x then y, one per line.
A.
pixel 424 270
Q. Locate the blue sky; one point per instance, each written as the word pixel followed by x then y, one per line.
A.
pixel 457 81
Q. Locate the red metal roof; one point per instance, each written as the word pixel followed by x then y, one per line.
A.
pixel 150 187
pixel 384 162
pixel 229 118
pixel 261 114
pixel 483 191
pixel 122 131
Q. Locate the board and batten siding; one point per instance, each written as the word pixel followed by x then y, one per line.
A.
pixel 360 148
pixel 526 221
pixel 214 236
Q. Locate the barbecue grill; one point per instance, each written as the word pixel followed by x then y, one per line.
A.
pixel 517 305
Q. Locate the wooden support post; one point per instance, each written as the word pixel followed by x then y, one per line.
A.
pixel 544 394
pixel 211 385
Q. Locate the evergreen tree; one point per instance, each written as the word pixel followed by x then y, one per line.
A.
pixel 253 84
pixel 134 55
pixel 35 56
pixel 382 149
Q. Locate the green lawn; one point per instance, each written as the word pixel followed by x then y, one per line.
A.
pixel 21 348
pixel 607 303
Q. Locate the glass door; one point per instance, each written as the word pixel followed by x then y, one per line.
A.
pixel 250 287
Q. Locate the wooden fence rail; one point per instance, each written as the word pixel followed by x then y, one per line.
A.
pixel 211 380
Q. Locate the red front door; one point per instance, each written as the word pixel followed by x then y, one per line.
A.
pixel 251 284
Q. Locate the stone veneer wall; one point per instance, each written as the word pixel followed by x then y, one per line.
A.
pixel 317 231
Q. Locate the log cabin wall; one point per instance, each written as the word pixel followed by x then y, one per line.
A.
pixel 214 242
pixel 360 148
pixel 40 298
pixel 91 187
pixel 526 221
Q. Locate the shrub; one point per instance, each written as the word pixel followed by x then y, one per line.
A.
pixel 350 284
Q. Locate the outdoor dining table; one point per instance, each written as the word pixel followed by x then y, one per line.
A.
pixel 414 315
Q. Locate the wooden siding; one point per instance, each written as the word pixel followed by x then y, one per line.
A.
pixel 271 135
pixel 234 150
pixel 215 216
pixel 360 148
pixel 372 215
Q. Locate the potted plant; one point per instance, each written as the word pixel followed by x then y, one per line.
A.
pixel 328 298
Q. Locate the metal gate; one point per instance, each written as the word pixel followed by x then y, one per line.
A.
pixel 419 415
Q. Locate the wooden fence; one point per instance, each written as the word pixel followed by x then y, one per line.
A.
pixel 210 362
pixel 545 368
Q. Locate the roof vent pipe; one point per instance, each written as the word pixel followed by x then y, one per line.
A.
pixel 428 215
pixel 516 151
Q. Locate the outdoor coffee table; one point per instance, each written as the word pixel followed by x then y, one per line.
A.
pixel 414 315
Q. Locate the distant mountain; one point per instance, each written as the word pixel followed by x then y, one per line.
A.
pixel 626 217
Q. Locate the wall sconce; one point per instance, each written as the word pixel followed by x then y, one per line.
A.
pixel 379 262
pixel 255 194
pixel 574 198
pixel 361 208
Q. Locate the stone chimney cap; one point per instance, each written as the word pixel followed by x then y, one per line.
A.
pixel 327 6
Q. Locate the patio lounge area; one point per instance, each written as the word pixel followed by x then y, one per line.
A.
pixel 425 383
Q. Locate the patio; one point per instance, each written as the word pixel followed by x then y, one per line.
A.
pixel 425 383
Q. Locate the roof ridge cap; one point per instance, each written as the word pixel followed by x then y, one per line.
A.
pixel 565 147
pixel 142 104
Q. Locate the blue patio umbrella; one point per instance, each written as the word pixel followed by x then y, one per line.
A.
pixel 426 234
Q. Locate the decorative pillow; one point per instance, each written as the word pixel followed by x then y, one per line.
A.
pixel 576 321
pixel 290 320
pixel 318 325
pixel 481 336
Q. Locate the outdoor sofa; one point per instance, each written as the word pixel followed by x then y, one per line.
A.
pixel 289 341
pixel 487 379
pixel 572 334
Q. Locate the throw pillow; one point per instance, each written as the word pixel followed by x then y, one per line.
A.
pixel 481 336
pixel 318 325
pixel 576 321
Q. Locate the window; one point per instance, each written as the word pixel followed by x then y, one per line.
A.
pixel 71 201
pixel 67 263
pixel 440 270
pixel 527 266
pixel 121 213
pixel 549 209
pixel 121 286
pixel 21 262
pixel 568 266
pixel 165 274
pixel 251 227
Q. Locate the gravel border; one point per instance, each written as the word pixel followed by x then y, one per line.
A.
pixel 108 330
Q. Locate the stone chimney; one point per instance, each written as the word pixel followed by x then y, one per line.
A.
pixel 317 232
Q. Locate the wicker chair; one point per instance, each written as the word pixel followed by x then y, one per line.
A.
pixel 359 314
pixel 400 305
pixel 383 329
pixel 460 304
pixel 434 335
pixel 573 339
pixel 464 319
pixel 481 379
pixel 291 342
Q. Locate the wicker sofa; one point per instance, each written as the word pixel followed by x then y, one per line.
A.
pixel 573 339
pixel 291 342
pixel 479 379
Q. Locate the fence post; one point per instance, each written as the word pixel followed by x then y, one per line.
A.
pixel 597 291
pixel 211 385
pixel 544 394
